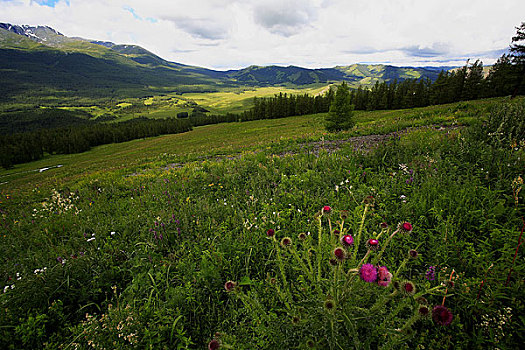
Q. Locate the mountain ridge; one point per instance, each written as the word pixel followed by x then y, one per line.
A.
pixel 139 69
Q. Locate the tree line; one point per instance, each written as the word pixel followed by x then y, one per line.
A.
pixel 29 146
pixel 505 77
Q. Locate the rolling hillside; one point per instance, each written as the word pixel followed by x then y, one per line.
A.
pixel 41 62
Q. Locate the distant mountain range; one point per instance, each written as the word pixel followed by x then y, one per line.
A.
pixel 44 62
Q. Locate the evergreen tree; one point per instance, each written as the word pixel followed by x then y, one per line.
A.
pixel 517 50
pixel 340 116
pixel 473 82
pixel 502 79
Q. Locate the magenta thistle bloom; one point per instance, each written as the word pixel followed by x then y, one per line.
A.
pixel 405 227
pixel 214 344
pixel 441 315
pixel 230 286
pixel 270 232
pixel 384 277
pixel 372 244
pixel 339 253
pixel 327 209
pixel 347 240
pixel 368 273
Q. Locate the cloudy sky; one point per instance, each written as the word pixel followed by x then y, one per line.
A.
pixel 230 34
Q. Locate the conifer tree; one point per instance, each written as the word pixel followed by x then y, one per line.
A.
pixel 341 112
pixel 517 50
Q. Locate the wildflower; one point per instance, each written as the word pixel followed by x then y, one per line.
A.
pixel 431 273
pixel 408 288
pixel 383 225
pixel 329 304
pixel 286 242
pixel 327 209
pixel 405 227
pixel 214 344
pixel 302 236
pixel 347 240
pixel 296 320
pixel 423 311
pixel 339 253
pixel 412 253
pixel 384 277
pixel 368 273
pixel 441 315
pixel 372 244
pixel 270 232
pixel 230 286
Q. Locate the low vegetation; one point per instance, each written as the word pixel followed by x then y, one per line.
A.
pixel 272 233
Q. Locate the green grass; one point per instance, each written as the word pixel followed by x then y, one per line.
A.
pixel 229 138
pixel 213 193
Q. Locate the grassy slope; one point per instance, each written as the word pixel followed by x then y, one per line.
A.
pixel 216 139
pixel 460 215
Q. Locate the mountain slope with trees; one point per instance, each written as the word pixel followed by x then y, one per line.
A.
pixel 42 61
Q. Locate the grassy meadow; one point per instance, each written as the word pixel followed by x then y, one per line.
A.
pixel 274 234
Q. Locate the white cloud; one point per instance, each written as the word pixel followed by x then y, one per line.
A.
pixel 311 33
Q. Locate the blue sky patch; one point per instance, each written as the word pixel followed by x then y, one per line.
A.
pixel 50 3
pixel 132 11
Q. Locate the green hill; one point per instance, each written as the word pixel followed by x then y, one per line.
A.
pixel 41 63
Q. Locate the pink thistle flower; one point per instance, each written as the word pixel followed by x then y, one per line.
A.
pixel 214 344
pixel 347 240
pixel 230 286
pixel 372 244
pixel 327 209
pixel 339 253
pixel 368 273
pixel 405 227
pixel 270 232
pixel 441 315
pixel 384 277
